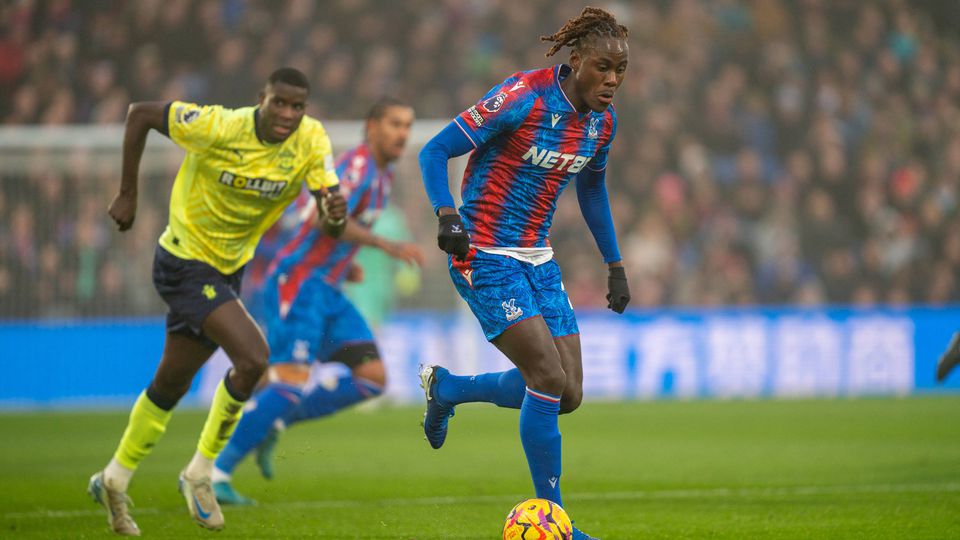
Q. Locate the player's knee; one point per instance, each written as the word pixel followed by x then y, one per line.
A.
pixel 546 376
pixel 372 371
pixel 571 399
pixel 292 373
pixel 252 362
pixel 363 359
pixel 258 365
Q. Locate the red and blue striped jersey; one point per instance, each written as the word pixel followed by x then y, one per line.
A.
pixel 311 254
pixel 530 142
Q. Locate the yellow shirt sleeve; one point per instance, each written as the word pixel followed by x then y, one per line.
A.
pixel 194 127
pixel 322 172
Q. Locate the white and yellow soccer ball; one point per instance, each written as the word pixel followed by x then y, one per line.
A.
pixel 537 519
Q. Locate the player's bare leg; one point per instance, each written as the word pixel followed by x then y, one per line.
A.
pixel 183 356
pixel 372 370
pixel 570 359
pixel 233 329
pixel 530 346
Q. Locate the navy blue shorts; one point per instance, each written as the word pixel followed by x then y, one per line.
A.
pixel 192 290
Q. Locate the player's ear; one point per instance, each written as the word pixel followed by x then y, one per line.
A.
pixel 575 59
pixel 369 126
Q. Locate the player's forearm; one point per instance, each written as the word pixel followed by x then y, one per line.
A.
pixel 356 233
pixel 141 117
pixel 134 141
pixel 451 142
pixel 595 207
pixel 332 228
pixel 433 168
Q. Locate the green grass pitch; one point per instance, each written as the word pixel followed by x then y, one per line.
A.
pixel 866 468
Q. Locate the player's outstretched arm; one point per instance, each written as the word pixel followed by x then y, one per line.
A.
pixel 595 207
pixel 404 251
pixel 333 211
pixel 141 118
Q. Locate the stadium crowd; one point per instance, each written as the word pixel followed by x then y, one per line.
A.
pixel 769 151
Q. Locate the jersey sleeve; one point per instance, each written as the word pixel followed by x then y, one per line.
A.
pixel 194 127
pixel 358 199
pixel 322 173
pixel 502 109
pixel 599 161
pixel 595 207
pixel 354 174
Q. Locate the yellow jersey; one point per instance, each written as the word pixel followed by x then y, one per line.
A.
pixel 231 186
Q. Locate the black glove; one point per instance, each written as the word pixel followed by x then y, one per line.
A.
pixel 452 237
pixel 619 294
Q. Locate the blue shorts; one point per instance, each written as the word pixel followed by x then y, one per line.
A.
pixel 192 290
pixel 320 325
pixel 502 291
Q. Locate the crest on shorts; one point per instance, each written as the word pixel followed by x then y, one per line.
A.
pixel 301 350
pixel 210 292
pixel 512 311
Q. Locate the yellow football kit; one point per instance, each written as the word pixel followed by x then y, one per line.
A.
pixel 232 186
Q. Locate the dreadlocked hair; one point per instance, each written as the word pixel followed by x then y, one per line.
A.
pixel 592 22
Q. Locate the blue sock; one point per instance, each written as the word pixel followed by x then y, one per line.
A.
pixel 269 404
pixel 323 401
pixel 540 435
pixel 503 389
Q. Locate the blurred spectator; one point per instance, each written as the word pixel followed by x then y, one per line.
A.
pixel 779 151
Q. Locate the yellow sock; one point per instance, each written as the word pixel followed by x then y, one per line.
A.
pixel 224 414
pixel 147 424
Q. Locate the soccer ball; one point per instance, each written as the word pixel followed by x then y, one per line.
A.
pixel 537 519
